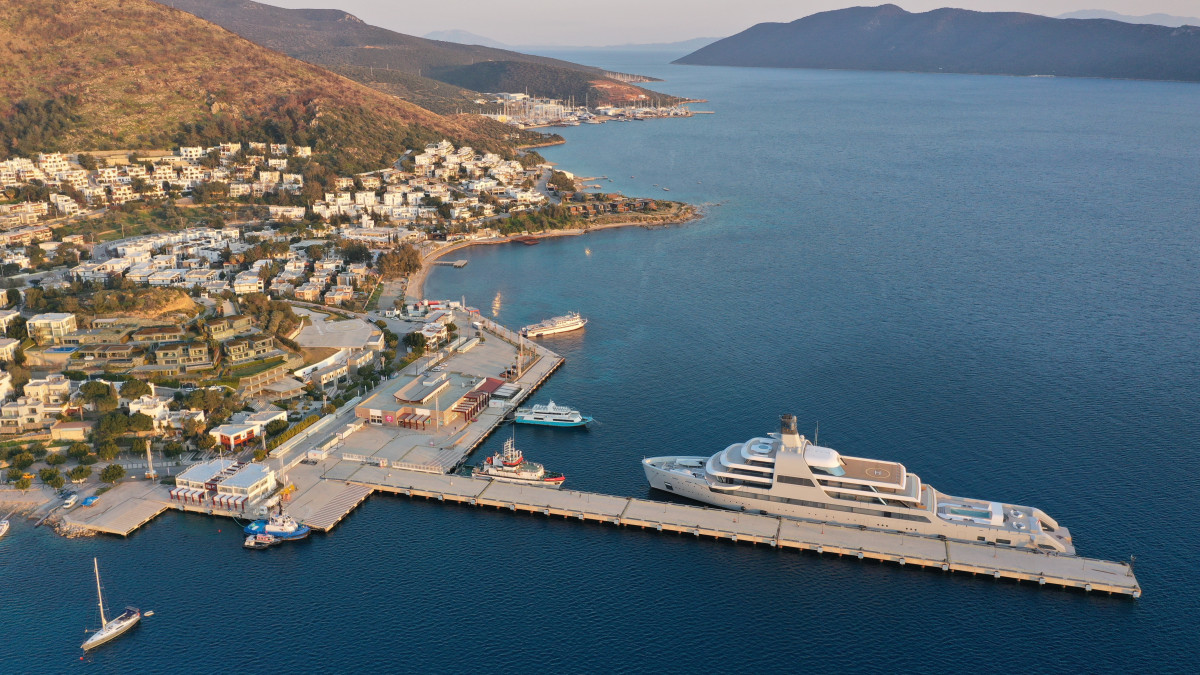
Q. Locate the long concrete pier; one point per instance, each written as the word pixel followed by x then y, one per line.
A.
pixel 784 533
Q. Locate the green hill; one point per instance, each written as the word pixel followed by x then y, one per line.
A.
pixel 132 74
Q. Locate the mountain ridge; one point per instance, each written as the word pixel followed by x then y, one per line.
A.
pixel 342 42
pixel 962 41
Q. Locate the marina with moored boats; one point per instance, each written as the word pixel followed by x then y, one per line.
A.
pixel 360 450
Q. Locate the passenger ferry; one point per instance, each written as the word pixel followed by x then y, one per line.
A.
pixel 784 474
pixel 509 466
pixel 551 415
pixel 559 324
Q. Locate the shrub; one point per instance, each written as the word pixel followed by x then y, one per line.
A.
pixel 56 459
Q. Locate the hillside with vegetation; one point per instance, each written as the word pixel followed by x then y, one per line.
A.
pixel 342 42
pixel 130 74
pixel 126 301
pixel 961 41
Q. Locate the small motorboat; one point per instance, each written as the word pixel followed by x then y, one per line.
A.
pixel 258 541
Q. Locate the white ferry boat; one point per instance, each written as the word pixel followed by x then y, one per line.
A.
pixel 786 475
pixel 559 324
pixel 110 629
pixel 509 466
pixel 551 415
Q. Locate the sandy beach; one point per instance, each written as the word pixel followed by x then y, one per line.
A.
pixel 416 283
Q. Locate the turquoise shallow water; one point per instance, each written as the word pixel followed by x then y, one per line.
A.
pixel 992 280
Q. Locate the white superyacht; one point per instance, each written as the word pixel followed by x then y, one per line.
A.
pixel 784 474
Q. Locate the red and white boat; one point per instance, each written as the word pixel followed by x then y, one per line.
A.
pixel 509 466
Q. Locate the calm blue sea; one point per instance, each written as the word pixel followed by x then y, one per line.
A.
pixel 992 280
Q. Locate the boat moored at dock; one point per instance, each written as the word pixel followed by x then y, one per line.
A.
pixel 786 475
pixel 509 466
pixel 283 528
pixel 261 541
pixel 559 324
pixel 551 415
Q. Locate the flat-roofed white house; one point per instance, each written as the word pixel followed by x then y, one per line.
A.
pixel 51 327
pixel 247 282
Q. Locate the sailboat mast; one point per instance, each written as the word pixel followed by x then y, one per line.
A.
pixel 99 595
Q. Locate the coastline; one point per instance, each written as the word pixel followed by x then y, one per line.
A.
pixel 414 289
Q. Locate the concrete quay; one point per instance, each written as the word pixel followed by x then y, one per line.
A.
pixel 904 549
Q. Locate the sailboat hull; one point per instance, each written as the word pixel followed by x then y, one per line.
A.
pixel 112 630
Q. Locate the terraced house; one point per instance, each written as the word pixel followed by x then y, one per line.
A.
pixel 250 348
pixel 230 326
pixel 186 356
pixel 158 334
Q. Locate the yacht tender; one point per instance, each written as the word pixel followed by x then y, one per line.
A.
pixel 786 475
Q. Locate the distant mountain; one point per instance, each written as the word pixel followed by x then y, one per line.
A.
pixel 463 37
pixel 1159 19
pixel 961 41
pixel 133 74
pixel 389 61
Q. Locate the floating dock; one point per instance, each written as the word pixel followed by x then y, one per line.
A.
pixel 784 533
pixel 451 263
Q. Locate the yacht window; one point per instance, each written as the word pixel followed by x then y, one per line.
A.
pixel 795 481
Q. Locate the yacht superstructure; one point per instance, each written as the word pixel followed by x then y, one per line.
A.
pixel 786 475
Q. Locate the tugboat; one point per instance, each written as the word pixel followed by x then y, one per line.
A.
pixel 110 629
pixel 281 527
pixel 260 541
pixel 509 466
pixel 551 415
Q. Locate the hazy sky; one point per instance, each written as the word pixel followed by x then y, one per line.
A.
pixel 606 22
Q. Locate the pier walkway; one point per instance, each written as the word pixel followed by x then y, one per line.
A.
pixel 904 549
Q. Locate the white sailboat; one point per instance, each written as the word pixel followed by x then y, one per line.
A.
pixel 110 629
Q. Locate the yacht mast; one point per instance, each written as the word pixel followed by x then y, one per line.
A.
pixel 96 565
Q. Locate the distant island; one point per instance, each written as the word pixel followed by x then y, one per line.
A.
pixel 1160 19
pixel 960 41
